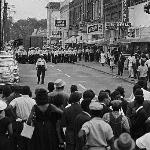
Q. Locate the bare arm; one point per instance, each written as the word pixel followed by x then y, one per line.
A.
pixel 10 129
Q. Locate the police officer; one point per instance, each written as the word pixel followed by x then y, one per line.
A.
pixel 41 68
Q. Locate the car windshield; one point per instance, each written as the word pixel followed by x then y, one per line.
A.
pixel 4 68
pixel 7 63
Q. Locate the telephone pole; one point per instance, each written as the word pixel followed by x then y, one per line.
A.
pixel 5 23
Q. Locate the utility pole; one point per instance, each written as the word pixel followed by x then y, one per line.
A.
pixel 5 23
pixel 0 25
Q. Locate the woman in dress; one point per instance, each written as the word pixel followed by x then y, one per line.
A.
pixel 111 58
pixel 44 117
pixel 5 127
pixel 102 58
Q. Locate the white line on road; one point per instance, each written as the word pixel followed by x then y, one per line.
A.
pixel 67 75
pixel 82 86
pixel 82 81
pixel 58 70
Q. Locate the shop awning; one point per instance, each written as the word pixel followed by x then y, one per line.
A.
pixel 142 40
pixel 71 40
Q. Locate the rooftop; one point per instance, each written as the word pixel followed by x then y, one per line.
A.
pixel 53 5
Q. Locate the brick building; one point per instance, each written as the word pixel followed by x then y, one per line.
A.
pixel 53 13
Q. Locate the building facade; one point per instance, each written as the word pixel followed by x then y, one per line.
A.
pixel 53 14
pixel 64 15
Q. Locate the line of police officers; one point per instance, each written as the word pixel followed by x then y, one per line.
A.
pixel 54 55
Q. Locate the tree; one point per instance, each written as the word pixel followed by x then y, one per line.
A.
pixel 25 27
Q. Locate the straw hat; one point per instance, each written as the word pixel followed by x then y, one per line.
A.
pixel 59 83
pixel 124 142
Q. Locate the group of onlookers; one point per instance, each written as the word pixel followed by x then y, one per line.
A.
pixel 74 121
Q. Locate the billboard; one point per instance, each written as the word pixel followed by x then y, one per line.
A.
pixel 95 29
pixel 60 23
pixel 138 17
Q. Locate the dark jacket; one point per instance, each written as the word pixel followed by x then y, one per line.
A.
pixel 138 124
pixel 79 121
pixel 130 107
pixel 105 109
pixel 68 119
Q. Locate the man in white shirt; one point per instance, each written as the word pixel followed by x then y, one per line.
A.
pixel 23 104
pixel 131 60
pixel 41 68
pixel 144 142
pixel 148 65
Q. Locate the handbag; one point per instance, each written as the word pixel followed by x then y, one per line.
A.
pixel 27 131
pixel 28 128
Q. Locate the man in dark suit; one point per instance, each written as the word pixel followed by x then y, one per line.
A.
pixel 83 117
pixel 104 99
pixel 68 118
pixel 138 121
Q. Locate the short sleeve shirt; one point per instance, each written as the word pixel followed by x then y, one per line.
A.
pixel 98 132
pixel 143 71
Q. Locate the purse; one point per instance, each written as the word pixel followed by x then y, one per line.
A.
pixel 27 131
pixel 28 128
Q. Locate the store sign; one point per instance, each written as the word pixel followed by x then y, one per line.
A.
pixel 116 25
pixel 56 33
pixel 60 23
pixel 131 32
pixel 95 29
pixel 124 11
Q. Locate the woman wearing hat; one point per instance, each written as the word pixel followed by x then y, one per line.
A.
pixel 5 126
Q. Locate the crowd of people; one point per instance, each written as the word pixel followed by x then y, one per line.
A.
pixel 56 120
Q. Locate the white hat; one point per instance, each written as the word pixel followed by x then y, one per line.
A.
pixel 94 105
pixel 3 105
pixel 59 83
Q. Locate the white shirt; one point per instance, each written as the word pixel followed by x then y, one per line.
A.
pixel 148 62
pixel 41 62
pixel 146 95
pixel 131 60
pixel 23 106
pixel 144 142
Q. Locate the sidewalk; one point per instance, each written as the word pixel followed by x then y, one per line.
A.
pixel 105 69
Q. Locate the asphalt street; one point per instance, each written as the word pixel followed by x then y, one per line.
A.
pixel 83 77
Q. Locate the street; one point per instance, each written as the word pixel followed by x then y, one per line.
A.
pixel 83 77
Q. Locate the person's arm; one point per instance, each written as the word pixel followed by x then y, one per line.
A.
pixel 126 124
pixel 111 143
pixel 56 109
pixel 45 64
pixel 10 129
pixel 81 133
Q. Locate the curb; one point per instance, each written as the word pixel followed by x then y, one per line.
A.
pixel 124 79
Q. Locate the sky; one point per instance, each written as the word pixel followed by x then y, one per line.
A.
pixel 29 8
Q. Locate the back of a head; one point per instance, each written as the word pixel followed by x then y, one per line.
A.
pixel 16 88
pixel 75 97
pixel 115 95
pixel 102 96
pixel 88 94
pixel 57 100
pixel 26 90
pixel 121 90
pixel 142 83
pixel 41 97
pixel 138 92
pixel 73 88
pixel 85 105
pixel 6 91
pixel 136 86
pixel 139 100
pixel 51 86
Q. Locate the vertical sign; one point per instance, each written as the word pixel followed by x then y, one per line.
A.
pixel 124 11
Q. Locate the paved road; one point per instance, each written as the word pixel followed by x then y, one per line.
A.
pixel 83 77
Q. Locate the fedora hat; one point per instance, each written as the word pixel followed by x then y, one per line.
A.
pixel 59 83
pixel 3 105
pixel 124 142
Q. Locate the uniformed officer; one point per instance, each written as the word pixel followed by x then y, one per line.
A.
pixel 41 68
